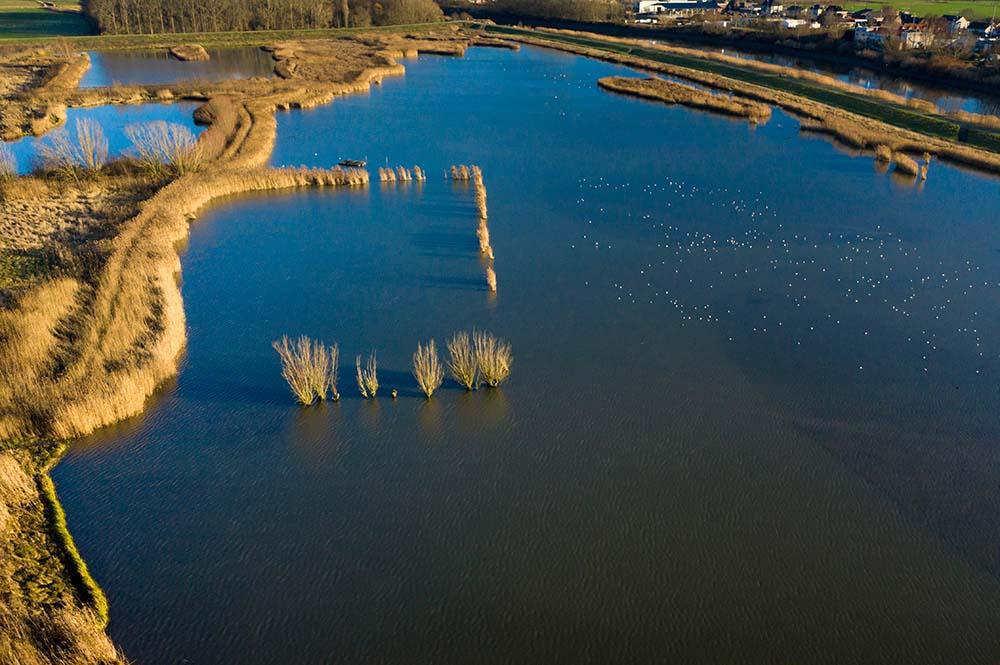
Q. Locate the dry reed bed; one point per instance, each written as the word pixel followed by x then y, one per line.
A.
pixel 852 128
pixel 677 93
pixel 63 632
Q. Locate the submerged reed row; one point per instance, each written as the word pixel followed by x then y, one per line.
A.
pixel 461 172
pixel 401 174
pixel 310 368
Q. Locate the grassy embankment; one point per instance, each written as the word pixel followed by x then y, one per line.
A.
pixel 84 344
pixel 21 19
pixel 862 119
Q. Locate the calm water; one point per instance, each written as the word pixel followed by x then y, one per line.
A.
pixel 113 120
pixel 157 67
pixel 947 99
pixel 754 415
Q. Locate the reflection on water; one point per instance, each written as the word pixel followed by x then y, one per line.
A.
pixel 113 120
pixel 157 67
pixel 752 418
pixel 945 98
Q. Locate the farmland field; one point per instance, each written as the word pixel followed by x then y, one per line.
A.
pixel 26 18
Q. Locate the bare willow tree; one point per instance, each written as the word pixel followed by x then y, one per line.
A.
pixel 309 367
pixel 367 376
pixel 165 148
pixel 427 369
pixel 86 155
pixel 493 357
pixel 462 360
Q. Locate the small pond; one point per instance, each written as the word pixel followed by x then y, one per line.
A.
pixel 158 67
pixel 113 120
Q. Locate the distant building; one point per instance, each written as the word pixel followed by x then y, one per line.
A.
pixel 677 7
pixel 915 38
pixel 983 28
pixel 866 37
pixel 956 23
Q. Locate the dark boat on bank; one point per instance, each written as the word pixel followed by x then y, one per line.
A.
pixel 353 163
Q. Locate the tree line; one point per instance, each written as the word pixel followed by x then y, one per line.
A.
pixel 130 17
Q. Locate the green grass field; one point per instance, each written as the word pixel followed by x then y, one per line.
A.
pixel 27 18
pixel 982 9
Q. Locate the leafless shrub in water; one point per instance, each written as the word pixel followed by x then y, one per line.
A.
pixel 308 367
pixel 427 369
pixel 493 357
pixel 367 376
pixel 483 234
pixel 165 147
pixel 460 172
pixel 883 153
pixel 491 279
pixel 418 173
pixel 462 360
pixel 403 174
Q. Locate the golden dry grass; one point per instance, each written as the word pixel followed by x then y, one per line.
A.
pixel 677 93
pixel 905 164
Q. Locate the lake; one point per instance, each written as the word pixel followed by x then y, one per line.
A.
pixel 754 414
pixel 159 67
pixel 113 119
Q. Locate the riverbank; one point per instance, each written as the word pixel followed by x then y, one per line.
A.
pixel 88 339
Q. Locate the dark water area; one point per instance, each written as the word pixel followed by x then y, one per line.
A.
pixel 947 99
pixel 159 67
pixel 113 120
pixel 754 414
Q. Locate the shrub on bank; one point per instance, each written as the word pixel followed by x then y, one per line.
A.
pixel 8 165
pixel 165 148
pixel 75 159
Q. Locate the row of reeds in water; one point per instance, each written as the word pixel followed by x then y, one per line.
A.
pixel 462 172
pixel 904 163
pixel 401 174
pixel 310 367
